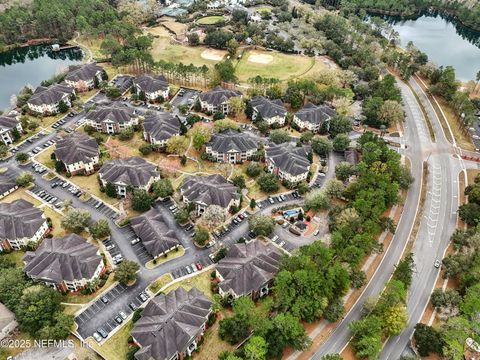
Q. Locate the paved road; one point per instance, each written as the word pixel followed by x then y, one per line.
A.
pixel 416 135
pixel 438 224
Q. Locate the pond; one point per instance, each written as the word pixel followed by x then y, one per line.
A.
pixel 443 40
pixel 31 65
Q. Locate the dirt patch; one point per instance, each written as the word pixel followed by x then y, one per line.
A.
pixel 117 149
pixel 260 58
pixel 212 54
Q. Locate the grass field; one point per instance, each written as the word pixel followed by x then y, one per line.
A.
pixel 201 282
pixel 21 193
pixel 90 185
pixel 15 256
pixel 56 220
pixel 162 259
pixel 282 66
pixel 117 346
pixel 163 49
pixel 160 282
pixel 210 20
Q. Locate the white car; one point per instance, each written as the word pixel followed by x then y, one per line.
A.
pixel 275 238
pixel 123 315
pixel 110 247
pixel 135 241
pixel 281 243
pixel 97 337
pixel 437 263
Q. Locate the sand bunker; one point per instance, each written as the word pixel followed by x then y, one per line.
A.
pixel 211 54
pixel 260 58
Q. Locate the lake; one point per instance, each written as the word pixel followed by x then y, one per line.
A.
pixel 444 41
pixel 31 65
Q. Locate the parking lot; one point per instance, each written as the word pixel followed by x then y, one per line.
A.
pixel 131 299
pixel 138 248
pixel 46 196
pixel 101 207
pixel 184 96
pixel 122 82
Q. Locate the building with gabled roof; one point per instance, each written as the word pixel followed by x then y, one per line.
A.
pixel 78 152
pixel 231 146
pixel 112 119
pixel 152 86
pixel 67 263
pixel 171 325
pixel 271 111
pixel 85 77
pixel 7 185
pixel 216 100
pixel 46 100
pixel 133 172
pixel 312 117
pixel 288 162
pixel 159 127
pixel 248 269
pixel 9 124
pixel 20 224
pixel 204 191
pixel 154 232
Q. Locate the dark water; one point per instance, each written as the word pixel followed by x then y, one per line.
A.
pixel 443 40
pixel 31 65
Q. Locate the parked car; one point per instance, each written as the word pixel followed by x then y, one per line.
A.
pixel 316 232
pixel 281 243
pixel 135 241
pixel 102 332
pixel 97 337
pixel 104 299
pixel 118 319
pixel 189 271
pixel 110 247
pixel 123 315
pixel 275 238
pixel 194 268
pixel 199 266
pixel 143 297
pixel 133 306
pixel 210 244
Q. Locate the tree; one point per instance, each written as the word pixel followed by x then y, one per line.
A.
pixel 234 329
pixel 316 200
pixel 37 308
pixel 395 319
pixel 162 188
pixel 322 146
pixel 224 71
pixel 3 150
pixel 253 169
pixel 255 348
pixel 454 332
pixel 201 236
pixel 470 213
pixel 404 270
pixel 76 220
pixel 59 329
pixel 214 216
pixel 239 181
pixel 24 179
pixel 141 200
pixel 232 47
pixel 279 136
pixel 182 216
pixel 100 229
pixel 126 272
pixel 286 331
pixel 21 157
pixel 339 124
pixel 145 149
pixel 428 340
pixel 62 107
pixel 334 311
pixel 200 135
pixel 177 144
pixel 110 190
pixel 344 170
pixel 236 105
pixel 221 125
pixel 268 183
pixel 126 134
pixel 341 142
pixel 193 39
pixel 262 225
pixel 448 300
pixel 332 357
pixel 253 204
pixel 112 92
pixel 390 112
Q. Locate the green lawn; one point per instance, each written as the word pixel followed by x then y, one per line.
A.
pixel 163 280
pixel 45 158
pixel 201 282
pixel 15 256
pixel 162 259
pixel 210 20
pixel 117 346
pixel 281 66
